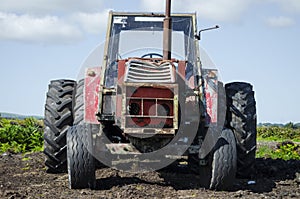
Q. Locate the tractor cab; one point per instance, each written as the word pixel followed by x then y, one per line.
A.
pixel 140 36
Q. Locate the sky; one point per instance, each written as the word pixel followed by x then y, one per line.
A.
pixel 258 42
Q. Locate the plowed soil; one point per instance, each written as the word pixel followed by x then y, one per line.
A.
pixel 24 176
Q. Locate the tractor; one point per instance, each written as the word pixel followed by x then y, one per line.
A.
pixel 149 104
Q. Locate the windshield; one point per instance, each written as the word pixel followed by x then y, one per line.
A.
pixel 138 43
pixel 142 37
pixel 135 35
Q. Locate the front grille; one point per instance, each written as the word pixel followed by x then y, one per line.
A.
pixel 149 72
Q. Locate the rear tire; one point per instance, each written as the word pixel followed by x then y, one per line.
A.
pixel 58 118
pixel 81 164
pixel 241 117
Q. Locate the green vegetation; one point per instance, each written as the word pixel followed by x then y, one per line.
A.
pixel 284 150
pixel 279 134
pixel 20 136
pixel 287 135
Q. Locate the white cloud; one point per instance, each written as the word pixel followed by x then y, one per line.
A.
pixel 48 29
pixel 50 6
pixel 93 23
pixel 51 21
pixel 220 10
pixel 280 22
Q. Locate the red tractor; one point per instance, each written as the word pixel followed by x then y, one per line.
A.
pixel 149 104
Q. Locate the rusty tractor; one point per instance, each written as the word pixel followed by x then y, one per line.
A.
pixel 150 104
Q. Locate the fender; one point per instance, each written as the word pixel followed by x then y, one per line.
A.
pixel 91 94
pixel 214 96
pixel 211 94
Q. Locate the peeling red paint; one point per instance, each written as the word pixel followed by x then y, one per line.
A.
pixel 91 94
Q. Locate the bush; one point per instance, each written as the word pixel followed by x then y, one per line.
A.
pixel 287 151
pixel 275 133
pixel 284 150
pixel 19 136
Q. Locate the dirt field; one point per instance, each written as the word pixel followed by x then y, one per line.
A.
pixel 25 177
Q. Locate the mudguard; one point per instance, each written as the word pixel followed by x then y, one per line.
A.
pixel 215 114
pixel 91 94
pixel 211 94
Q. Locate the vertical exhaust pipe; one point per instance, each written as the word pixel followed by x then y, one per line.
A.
pixel 167 35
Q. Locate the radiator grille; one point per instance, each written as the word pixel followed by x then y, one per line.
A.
pixel 149 72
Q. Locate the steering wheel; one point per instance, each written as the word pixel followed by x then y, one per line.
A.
pixel 152 55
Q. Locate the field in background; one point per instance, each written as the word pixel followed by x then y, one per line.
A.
pixel 26 135
pixel 279 142
pixel 21 135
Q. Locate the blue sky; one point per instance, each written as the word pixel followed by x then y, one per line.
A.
pixel 258 42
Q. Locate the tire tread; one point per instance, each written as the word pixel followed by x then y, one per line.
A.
pixel 241 117
pixel 58 118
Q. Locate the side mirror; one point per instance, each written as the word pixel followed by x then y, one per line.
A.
pixel 198 36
